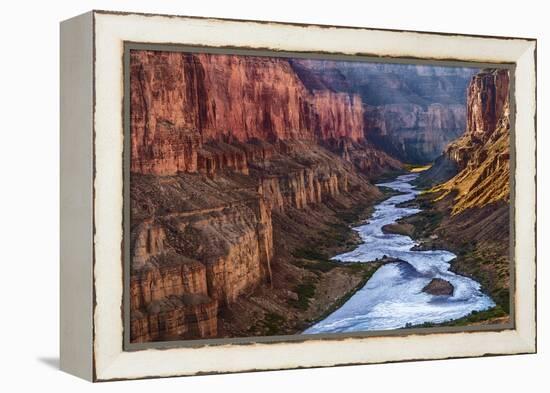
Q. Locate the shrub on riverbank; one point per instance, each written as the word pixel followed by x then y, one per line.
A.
pixel 305 292
pixel 475 317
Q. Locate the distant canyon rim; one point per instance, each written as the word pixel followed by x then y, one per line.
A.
pixel 248 174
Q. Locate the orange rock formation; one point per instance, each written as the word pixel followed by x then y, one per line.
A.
pixel 219 144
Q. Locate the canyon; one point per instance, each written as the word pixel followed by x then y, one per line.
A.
pixel 225 151
pixel 452 240
pixel 412 111
pixel 482 154
pixel 187 109
pixel 205 244
pixel 246 173
pixel 468 203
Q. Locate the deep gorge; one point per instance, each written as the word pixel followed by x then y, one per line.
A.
pixel 241 165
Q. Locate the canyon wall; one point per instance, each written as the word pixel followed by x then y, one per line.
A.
pixel 337 116
pixel 413 132
pixel 220 144
pixel 412 111
pixel 186 264
pixel 228 150
pixel 473 197
pixel 199 242
pixel 181 102
pixel 482 154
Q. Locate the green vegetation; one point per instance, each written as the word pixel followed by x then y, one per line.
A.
pixel 388 175
pixel 473 317
pixel 426 222
pixel 272 323
pixel 480 316
pixel 491 271
pixel 388 192
pixel 337 232
pixel 429 221
pixel 502 298
pixel 309 253
pixel 322 266
pixel 355 214
pixel 332 237
pixel 305 292
pixel 315 256
pixel 483 262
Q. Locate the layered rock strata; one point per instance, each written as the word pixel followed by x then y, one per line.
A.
pixel 181 103
pixel 220 144
pixel 412 111
pixel 471 213
pixel 413 132
pixel 482 154
pixel 200 242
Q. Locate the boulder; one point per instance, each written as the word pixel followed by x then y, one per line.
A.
pixel 439 287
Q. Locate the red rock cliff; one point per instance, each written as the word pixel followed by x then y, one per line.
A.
pixel 338 115
pixel 482 154
pixel 488 102
pixel 200 242
pixel 230 141
pixel 181 102
pixel 412 111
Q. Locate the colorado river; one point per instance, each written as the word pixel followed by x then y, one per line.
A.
pixel 393 296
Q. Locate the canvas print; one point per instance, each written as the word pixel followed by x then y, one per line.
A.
pixel 279 196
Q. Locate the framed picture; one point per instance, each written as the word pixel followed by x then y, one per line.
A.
pixel 245 195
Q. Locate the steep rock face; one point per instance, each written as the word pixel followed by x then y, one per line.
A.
pixel 211 238
pixel 412 112
pixel 475 203
pixel 180 102
pixel 168 291
pixel 196 260
pixel 364 156
pixel 482 154
pixel 239 252
pixel 338 115
pixel 167 275
pixel 412 132
pixel 442 169
pixel 175 318
pixel 381 84
pixel 302 188
pixel 219 145
pixel 149 241
pixel 488 102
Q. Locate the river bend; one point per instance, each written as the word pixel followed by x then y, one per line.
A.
pixel 393 296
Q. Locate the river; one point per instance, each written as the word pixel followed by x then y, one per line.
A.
pixel 393 296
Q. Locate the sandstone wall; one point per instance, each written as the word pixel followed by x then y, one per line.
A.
pixel 338 115
pixel 180 102
pixel 172 293
pixel 414 132
pixel 229 140
pixel 411 111
pixel 196 248
pixel 482 154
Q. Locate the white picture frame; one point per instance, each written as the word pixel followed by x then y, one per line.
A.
pixel 92 138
